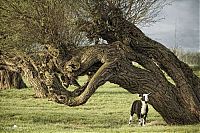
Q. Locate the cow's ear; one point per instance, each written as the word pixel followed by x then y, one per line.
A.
pixel 140 95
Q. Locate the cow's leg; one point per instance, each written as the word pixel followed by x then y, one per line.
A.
pixel 145 117
pixel 139 119
pixel 131 118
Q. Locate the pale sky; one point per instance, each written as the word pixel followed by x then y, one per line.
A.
pixel 184 15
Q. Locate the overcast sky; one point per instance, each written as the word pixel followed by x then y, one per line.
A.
pixel 184 15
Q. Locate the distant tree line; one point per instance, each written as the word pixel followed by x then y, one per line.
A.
pixel 191 58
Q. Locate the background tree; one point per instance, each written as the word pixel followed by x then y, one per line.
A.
pixel 10 76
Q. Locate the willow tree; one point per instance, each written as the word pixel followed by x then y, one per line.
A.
pixel 109 20
pixel 40 34
pixel 114 22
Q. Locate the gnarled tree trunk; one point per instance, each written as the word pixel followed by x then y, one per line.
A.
pixel 172 101
pixel 116 60
pixel 33 77
pixel 15 66
pixel 113 62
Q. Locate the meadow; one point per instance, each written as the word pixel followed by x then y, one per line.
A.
pixel 106 111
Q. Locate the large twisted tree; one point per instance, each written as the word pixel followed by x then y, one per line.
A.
pixel 114 22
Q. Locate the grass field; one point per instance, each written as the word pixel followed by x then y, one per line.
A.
pixel 106 111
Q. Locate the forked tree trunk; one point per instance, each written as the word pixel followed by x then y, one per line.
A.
pixel 117 68
pixel 178 103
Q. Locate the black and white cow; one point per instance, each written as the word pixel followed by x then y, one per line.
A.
pixel 140 107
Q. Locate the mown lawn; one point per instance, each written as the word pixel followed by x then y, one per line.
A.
pixel 106 111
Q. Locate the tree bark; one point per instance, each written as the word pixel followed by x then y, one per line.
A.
pixel 184 94
pixel 117 68
pixel 32 76
pixel 172 101
pixel 15 66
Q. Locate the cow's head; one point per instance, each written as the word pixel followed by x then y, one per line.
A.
pixel 144 97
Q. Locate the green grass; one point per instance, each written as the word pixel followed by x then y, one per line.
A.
pixel 196 70
pixel 106 111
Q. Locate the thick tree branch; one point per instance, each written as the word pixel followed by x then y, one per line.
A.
pixel 167 61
